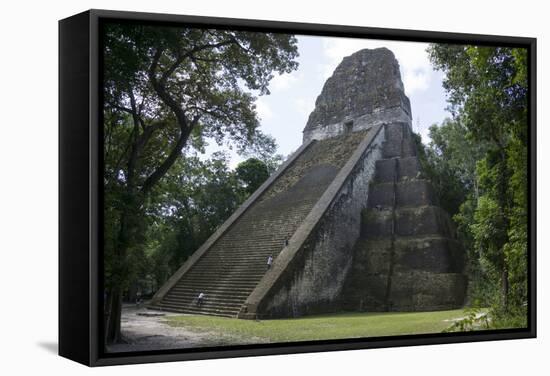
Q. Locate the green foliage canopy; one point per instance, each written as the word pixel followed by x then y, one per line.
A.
pixel 487 89
pixel 252 173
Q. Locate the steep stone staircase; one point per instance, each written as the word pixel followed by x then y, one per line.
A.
pixel 407 258
pixel 229 271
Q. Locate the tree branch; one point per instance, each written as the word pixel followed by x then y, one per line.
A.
pixel 163 168
pixel 159 85
pixel 190 55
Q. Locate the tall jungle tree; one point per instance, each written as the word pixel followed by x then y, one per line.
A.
pixel 487 89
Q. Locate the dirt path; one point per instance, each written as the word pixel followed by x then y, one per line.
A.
pixel 145 330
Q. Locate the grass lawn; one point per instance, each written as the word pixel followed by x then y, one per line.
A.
pixel 334 326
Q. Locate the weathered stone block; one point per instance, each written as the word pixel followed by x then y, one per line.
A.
pixel 376 223
pixel 372 296
pixel 372 256
pixel 409 168
pixel 422 291
pixel 381 195
pixel 418 192
pixel 437 255
pixel 386 170
pixel 408 148
pixel 394 137
pixel 424 220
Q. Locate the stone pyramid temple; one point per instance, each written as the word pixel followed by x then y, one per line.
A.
pixel 350 220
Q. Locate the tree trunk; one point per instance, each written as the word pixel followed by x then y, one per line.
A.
pixel 505 288
pixel 114 313
pixel 114 302
pixel 504 204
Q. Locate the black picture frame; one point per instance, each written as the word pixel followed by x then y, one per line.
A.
pixel 80 188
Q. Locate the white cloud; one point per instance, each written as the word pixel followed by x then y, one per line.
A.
pixel 283 81
pixel 416 70
pixel 423 131
pixel 263 109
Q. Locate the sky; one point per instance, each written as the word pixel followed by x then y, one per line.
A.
pixel 284 112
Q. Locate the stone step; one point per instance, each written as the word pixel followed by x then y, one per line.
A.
pixel 233 249
pixel 367 292
pixel 409 291
pixel 236 260
pixel 221 289
pixel 192 297
pixel 252 252
pixel 194 284
pixel 398 141
pixel 424 220
pixel 269 233
pixel 372 256
pixel 197 310
pixel 220 285
pixel 263 224
pixel 239 260
pixel 208 265
pixel 240 265
pixel 216 271
pixel 237 273
pixel 278 213
pixel 235 278
pixel 397 168
pixel 407 149
pixel 430 254
pixel 225 277
pixel 194 292
pixel 233 285
pixel 259 246
pixel 241 254
pixel 386 170
pixel 409 168
pixel 415 291
pixel 415 221
pixel 381 195
pixel 245 239
pixel 206 304
pixel 208 301
pixel 436 255
pixel 376 223
pixel 253 266
pixel 252 249
pixel 394 134
pixel 417 192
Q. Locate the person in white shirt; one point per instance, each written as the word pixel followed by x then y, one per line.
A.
pixel 269 261
pixel 200 298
